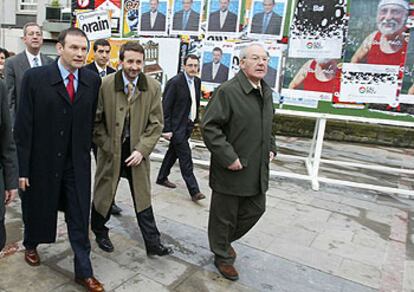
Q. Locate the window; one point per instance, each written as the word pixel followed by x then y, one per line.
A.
pixel 27 6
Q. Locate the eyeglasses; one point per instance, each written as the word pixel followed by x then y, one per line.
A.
pixel 257 59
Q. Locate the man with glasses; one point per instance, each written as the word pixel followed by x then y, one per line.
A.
pixel 237 129
pixel 16 66
pixel 181 101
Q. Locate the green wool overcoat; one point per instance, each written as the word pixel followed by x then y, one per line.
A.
pixel 238 124
pixel 146 124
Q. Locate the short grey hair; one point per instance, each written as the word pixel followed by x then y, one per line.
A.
pixel 30 24
pixel 243 52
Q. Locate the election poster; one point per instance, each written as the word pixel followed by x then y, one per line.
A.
pixel 406 97
pixel 130 18
pixel 318 29
pixel 223 17
pixel 186 17
pixel 153 17
pixel 114 9
pixel 96 24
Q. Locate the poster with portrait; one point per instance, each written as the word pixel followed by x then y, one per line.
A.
pixel 318 29
pixel 130 18
pixel 406 97
pixel 114 9
pixel 186 17
pixel 223 17
pixel 216 63
pixel 153 17
pixel 267 19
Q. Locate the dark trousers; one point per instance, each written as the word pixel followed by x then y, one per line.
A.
pixel 2 234
pixel 78 226
pixel 182 151
pixel 231 217
pixel 145 218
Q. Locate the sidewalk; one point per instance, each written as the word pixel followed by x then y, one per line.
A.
pixel 337 239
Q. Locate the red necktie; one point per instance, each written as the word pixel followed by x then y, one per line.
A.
pixel 71 88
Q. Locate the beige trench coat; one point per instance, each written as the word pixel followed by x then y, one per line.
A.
pixel 146 124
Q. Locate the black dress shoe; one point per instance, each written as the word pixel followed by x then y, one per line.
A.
pixel 159 250
pixel 167 184
pixel 115 210
pixel 105 244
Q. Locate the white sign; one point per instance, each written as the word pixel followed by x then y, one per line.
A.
pixel 96 24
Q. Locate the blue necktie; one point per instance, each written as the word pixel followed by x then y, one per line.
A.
pixel 185 19
pixel 265 22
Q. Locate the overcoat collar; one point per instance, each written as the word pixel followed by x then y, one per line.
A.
pixel 119 82
pixel 248 87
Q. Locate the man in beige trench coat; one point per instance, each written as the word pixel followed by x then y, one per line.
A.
pixel 128 124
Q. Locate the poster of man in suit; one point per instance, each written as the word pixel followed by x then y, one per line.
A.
pixel 153 17
pixel 186 17
pixel 223 16
pixel 267 19
pixel 216 63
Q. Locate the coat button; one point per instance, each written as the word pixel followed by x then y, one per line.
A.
pixel 56 174
pixel 64 111
pixel 121 109
pixel 59 154
pixel 61 132
pixel 117 124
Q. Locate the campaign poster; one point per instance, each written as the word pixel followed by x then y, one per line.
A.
pixel 130 18
pixel 153 17
pixel 215 63
pixel 96 24
pixel 406 97
pixel 223 16
pixel 267 19
pixel 114 9
pixel 186 17
pixel 318 29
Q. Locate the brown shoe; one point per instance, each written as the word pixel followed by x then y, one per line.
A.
pixel 91 284
pixel 32 257
pixel 167 184
pixel 198 197
pixel 232 252
pixel 227 270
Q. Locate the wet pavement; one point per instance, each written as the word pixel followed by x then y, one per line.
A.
pixel 335 239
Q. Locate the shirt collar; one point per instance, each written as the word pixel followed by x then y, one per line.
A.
pixel 64 72
pixel 100 69
pixel 30 56
pixel 188 78
pixel 126 80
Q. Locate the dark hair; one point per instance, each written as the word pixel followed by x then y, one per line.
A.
pixel 191 56
pixel 131 46
pixel 217 49
pixel 30 24
pixel 101 42
pixel 71 31
pixel 5 52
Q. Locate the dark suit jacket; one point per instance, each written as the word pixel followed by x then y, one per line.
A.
pixel 176 104
pixel 192 24
pixel 207 73
pixel 159 24
pixel 9 175
pixel 230 24
pixel 92 67
pixel 15 68
pixel 273 27
pixel 50 130
pixel 270 77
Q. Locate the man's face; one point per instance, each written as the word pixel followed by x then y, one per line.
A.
pixel 268 6
pixel 132 64
pixel 391 19
pixel 187 4
pixel 255 63
pixel 153 5
pixel 224 5
pixel 73 53
pixel 102 55
pixel 216 56
pixel 191 68
pixel 33 39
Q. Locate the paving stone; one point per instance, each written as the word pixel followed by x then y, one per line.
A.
pixel 408 285
pixel 70 287
pixel 140 283
pixel 361 273
pixel 335 207
pixel 17 276
pixel 369 238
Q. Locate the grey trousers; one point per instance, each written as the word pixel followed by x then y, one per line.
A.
pixel 231 217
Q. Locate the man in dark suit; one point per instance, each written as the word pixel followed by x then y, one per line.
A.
pixel 153 20
pixel 186 19
pixel 267 22
pixel 53 133
pixel 223 19
pixel 16 66
pixel 215 71
pixel 102 55
pixel 8 162
pixel 181 101
pixel 270 77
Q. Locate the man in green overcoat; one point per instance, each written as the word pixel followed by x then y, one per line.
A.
pixel 128 124
pixel 237 129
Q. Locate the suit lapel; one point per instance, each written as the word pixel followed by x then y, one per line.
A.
pixel 82 86
pixel 24 62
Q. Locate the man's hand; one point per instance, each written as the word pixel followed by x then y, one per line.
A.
pixel 10 196
pixel 236 165
pixel 271 155
pixel 134 159
pixel 167 135
pixel 23 183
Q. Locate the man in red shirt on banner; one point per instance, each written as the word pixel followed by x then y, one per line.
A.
pixel 387 45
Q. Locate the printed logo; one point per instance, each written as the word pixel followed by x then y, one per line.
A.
pixel 314 45
pixel 309 45
pixel 367 90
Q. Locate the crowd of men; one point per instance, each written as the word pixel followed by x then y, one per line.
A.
pixel 53 112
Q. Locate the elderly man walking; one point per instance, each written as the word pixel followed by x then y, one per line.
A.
pixel 237 129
